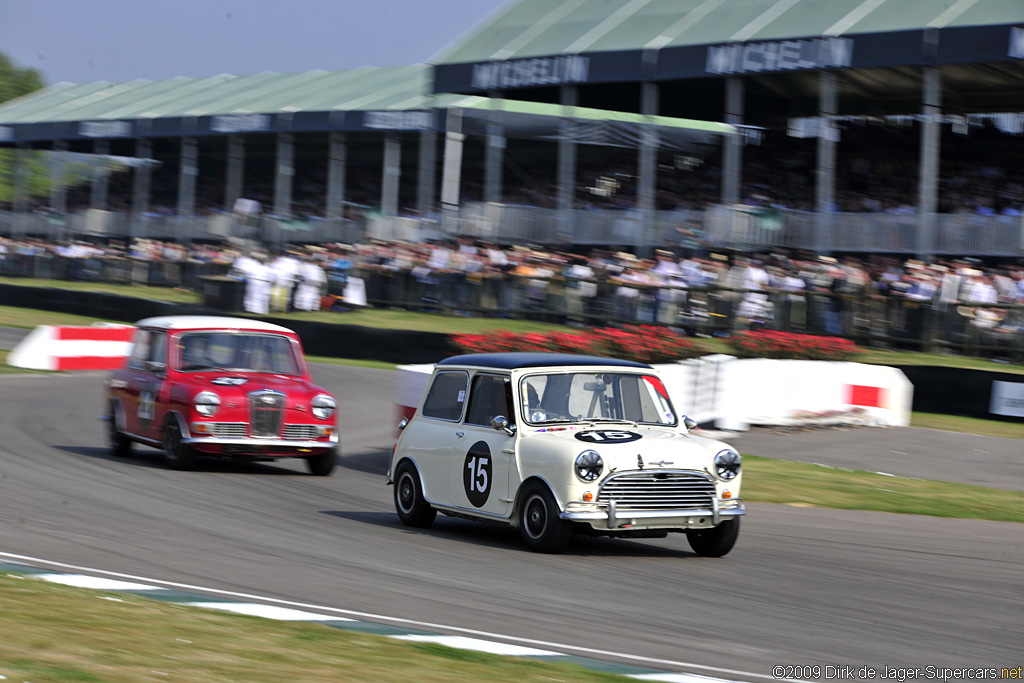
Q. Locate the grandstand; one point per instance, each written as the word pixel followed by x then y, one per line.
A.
pixel 868 126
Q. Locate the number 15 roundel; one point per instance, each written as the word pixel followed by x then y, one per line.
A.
pixel 476 473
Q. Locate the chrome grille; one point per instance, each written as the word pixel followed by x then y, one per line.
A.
pixel 229 429
pixel 300 432
pixel 265 411
pixel 658 490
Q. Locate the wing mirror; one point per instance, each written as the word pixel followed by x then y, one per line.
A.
pixel 403 423
pixel 500 423
pixel 155 366
pixel 689 422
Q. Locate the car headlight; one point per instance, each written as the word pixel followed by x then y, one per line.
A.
pixel 727 464
pixel 589 465
pixel 323 406
pixel 207 403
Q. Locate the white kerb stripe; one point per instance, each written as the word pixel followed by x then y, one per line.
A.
pixel 266 611
pixel 492 647
pixel 858 13
pixel 95 582
pixel 770 15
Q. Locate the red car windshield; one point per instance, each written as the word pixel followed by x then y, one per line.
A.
pixel 238 352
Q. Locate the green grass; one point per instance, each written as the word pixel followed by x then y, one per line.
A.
pixel 968 425
pixel 767 480
pixel 55 633
pixel 29 318
pixel 139 291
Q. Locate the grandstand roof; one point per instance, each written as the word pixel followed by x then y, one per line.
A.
pixel 368 98
pixel 532 43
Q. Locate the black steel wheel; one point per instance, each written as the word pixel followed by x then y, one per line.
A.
pixel 322 464
pixel 120 445
pixel 179 455
pixel 717 541
pixel 413 509
pixel 542 529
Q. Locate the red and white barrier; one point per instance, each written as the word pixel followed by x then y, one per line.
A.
pixel 103 346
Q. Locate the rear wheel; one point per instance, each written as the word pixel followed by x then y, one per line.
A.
pixel 540 525
pixel 179 455
pixel 413 509
pixel 120 445
pixel 717 541
pixel 322 464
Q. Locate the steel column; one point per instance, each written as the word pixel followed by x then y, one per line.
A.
pixel 283 176
pixel 732 162
pixel 825 175
pixel 928 188
pixel 101 174
pixel 392 174
pixel 569 97
pixel 235 174
pixel 336 161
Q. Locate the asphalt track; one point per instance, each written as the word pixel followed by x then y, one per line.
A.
pixel 803 586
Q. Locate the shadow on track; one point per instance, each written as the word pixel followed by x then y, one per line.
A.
pixel 153 459
pixel 500 536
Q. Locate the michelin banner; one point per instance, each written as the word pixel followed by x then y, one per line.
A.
pixel 1007 398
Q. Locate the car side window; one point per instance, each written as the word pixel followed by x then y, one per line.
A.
pixel 158 348
pixel 490 396
pixel 447 396
pixel 140 352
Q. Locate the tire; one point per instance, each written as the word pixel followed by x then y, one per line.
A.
pixel 717 541
pixel 120 445
pixel 323 463
pixel 542 529
pixel 412 508
pixel 179 456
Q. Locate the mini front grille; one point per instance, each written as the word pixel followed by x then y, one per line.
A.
pixel 300 432
pixel 229 429
pixel 265 411
pixel 654 490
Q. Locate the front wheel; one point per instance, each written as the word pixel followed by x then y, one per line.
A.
pixel 540 525
pixel 413 509
pixel 179 455
pixel 322 464
pixel 717 541
pixel 120 445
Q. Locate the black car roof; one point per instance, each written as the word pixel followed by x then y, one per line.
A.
pixel 517 360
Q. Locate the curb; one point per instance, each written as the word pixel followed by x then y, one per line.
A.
pixel 290 614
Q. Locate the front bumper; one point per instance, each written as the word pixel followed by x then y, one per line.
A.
pixel 608 516
pixel 258 446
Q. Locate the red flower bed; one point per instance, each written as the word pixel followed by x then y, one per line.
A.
pixel 771 344
pixel 646 344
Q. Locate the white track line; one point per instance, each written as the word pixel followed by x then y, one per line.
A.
pixel 652 661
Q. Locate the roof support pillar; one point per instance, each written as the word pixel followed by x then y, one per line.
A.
pixel 452 173
pixel 426 171
pixel 283 176
pixel 336 159
pixel 928 188
pixel 187 176
pixel 100 176
pixel 825 176
pixel 141 181
pixel 21 188
pixel 732 162
pixel 647 161
pixel 495 158
pixel 569 97
pixel 392 175
pixel 235 172
pixel 58 188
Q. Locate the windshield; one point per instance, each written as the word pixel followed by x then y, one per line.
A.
pixel 595 397
pixel 238 352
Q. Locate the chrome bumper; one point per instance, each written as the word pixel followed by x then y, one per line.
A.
pixel 609 513
pixel 282 443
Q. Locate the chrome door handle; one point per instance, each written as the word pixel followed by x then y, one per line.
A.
pixel 460 434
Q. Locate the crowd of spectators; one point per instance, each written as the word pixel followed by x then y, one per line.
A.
pixel 687 285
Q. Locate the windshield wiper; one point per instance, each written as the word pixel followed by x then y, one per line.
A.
pixel 609 419
pixel 200 366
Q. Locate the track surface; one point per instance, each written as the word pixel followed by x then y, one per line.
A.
pixel 802 587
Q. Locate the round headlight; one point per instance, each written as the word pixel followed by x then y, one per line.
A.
pixel 727 464
pixel 323 406
pixel 589 465
pixel 207 403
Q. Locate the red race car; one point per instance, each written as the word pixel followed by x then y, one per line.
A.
pixel 227 387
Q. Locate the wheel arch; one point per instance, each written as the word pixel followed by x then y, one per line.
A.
pixel 525 484
pixel 419 473
pixel 182 423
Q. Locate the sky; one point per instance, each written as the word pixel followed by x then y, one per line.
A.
pixel 82 41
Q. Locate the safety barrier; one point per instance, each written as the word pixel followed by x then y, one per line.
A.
pixel 103 346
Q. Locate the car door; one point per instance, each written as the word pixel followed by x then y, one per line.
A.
pixel 431 436
pixel 145 381
pixel 481 458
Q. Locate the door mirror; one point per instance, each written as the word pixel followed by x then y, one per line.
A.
pixel 500 423
pixel 155 366
pixel 689 422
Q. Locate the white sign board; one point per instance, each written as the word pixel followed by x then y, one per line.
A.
pixel 1007 398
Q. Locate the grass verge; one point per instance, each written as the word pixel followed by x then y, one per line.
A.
pixel 968 425
pixel 767 480
pixel 56 633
